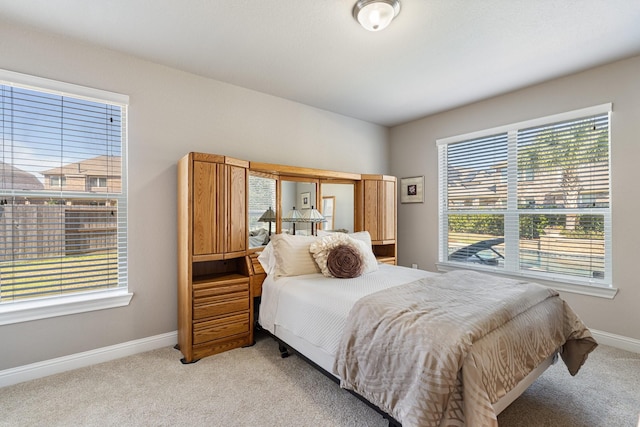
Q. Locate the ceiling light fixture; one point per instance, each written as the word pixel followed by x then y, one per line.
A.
pixel 376 15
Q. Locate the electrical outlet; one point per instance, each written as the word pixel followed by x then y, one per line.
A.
pixel 414 265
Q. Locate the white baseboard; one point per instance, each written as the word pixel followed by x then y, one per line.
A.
pixel 86 358
pixel 617 341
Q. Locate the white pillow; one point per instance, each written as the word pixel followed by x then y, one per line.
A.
pixel 292 255
pixel 370 261
pixel 267 259
pixel 360 235
pixel 321 248
pixel 363 236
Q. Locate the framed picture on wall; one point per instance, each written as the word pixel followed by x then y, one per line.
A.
pixel 412 189
pixel 305 200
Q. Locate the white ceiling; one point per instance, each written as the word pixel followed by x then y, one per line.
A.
pixel 436 55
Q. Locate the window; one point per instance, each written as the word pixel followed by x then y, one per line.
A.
pixel 546 214
pixel 97 182
pixel 61 240
pixel 57 181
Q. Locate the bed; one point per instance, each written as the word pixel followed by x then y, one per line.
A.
pixel 423 348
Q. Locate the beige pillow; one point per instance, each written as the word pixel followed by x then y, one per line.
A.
pixel 321 248
pixel 292 255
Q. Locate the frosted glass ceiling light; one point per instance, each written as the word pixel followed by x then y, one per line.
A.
pixel 376 15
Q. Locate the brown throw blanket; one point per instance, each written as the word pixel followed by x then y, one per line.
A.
pixel 440 351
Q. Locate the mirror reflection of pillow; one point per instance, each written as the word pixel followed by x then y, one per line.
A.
pixel 264 235
pixel 258 232
pixel 345 262
pixel 258 237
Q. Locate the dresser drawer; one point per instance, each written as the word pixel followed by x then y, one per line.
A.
pixel 220 328
pixel 211 307
pixel 219 288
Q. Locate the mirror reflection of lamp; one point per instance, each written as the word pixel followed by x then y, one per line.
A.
pixel 268 216
pixel 313 216
pixel 293 216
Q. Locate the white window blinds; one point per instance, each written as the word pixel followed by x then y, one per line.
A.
pixel 531 198
pixel 475 174
pixel 63 202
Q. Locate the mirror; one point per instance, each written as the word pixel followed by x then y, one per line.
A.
pixel 338 206
pixel 298 196
pixel 333 198
pixel 328 211
pixel 262 208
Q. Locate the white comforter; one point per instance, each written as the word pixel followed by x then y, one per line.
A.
pixel 315 307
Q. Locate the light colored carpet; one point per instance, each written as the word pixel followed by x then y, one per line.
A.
pixel 254 387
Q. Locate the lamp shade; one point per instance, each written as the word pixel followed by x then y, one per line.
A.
pixel 268 216
pixel 376 15
pixel 293 215
pixel 313 215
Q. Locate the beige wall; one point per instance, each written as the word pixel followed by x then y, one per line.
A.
pixel 413 152
pixel 171 113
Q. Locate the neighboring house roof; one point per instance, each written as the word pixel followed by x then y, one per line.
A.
pixel 96 166
pixel 12 178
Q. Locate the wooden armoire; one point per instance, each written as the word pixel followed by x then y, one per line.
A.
pixel 215 307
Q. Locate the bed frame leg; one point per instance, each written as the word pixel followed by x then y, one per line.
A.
pixel 284 351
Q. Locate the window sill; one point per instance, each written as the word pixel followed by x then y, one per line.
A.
pixel 591 290
pixel 25 311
